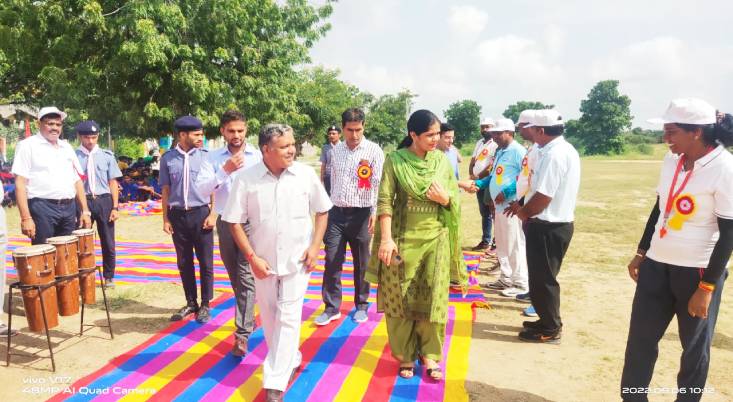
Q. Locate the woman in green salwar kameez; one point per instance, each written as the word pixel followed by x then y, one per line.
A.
pixel 418 214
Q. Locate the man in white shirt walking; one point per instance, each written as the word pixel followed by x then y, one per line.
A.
pixel 277 197
pixel 217 175
pixel 549 211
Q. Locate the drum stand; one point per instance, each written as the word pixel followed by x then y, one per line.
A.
pixel 104 296
pixel 39 288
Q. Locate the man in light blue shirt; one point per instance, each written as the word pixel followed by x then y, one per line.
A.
pixel 445 144
pixel 502 184
pixel 217 175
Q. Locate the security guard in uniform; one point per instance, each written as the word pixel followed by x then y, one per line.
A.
pixel 187 215
pixel 100 168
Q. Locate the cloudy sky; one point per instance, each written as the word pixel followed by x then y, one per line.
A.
pixel 497 53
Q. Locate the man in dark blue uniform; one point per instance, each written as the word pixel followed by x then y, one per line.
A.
pixel 100 169
pixel 187 215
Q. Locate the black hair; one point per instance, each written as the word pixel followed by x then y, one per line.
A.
pixel 446 127
pixel 334 128
pixel 714 134
pixel 231 115
pixel 352 114
pixel 554 131
pixel 418 123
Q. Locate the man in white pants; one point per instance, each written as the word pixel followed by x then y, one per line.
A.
pixel 277 197
pixel 502 190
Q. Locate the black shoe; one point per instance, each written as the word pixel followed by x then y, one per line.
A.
pixel 109 283
pixel 481 246
pixel 183 312
pixel 532 324
pixel 203 316
pixel 531 335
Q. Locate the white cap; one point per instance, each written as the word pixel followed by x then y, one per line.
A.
pixel 687 111
pixel 488 121
pixel 526 116
pixel 503 125
pixel 545 118
pixel 50 110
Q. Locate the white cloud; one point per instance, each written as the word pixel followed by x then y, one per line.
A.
pixel 656 59
pixel 514 58
pixel 378 80
pixel 467 19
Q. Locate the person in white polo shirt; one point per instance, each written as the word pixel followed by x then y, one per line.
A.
pixel 48 178
pixel 680 264
pixel 278 197
pixel 501 186
pixel 549 211
pixel 480 166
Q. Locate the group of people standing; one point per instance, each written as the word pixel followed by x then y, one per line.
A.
pixel 400 215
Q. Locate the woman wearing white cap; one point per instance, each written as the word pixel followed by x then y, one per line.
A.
pixel 680 265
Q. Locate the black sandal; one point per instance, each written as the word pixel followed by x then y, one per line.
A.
pixel 435 374
pixel 407 372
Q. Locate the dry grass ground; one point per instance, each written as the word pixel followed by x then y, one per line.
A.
pixel 615 199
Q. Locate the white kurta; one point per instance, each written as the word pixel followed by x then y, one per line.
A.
pixel 279 212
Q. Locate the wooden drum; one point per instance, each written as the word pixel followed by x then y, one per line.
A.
pixel 35 265
pixel 67 265
pixel 86 261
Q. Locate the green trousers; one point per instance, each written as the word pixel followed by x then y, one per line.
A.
pixel 410 338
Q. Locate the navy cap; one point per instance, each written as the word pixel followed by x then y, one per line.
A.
pixel 334 128
pixel 87 127
pixel 188 123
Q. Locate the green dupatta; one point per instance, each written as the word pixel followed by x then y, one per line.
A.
pixel 415 175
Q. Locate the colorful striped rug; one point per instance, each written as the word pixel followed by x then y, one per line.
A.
pixel 144 262
pixel 343 361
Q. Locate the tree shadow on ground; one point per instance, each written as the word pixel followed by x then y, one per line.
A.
pixel 481 392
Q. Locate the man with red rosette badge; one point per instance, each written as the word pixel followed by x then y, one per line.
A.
pixel 356 170
pixel 680 264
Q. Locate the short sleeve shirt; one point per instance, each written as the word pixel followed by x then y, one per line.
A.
pixel 528 162
pixel 52 170
pixel 326 157
pixel 172 174
pixel 105 167
pixel 279 211
pixel 507 166
pixel 692 226
pixel 483 155
pixel 348 188
pixel 557 175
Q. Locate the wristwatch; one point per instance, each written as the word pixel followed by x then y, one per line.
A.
pixel 88 213
pixel 115 208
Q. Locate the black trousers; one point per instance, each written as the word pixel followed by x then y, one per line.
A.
pixel 52 218
pixel 346 225
pixel 663 291
pixel 327 184
pixel 101 207
pixel 546 246
pixel 188 235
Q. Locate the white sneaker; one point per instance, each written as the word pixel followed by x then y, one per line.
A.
pixel 512 292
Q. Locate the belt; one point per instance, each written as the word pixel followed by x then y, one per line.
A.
pixel 64 201
pixel 105 195
pixel 351 210
pixel 544 222
pixel 177 208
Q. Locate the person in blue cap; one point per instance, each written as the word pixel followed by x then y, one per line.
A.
pixel 101 172
pixel 187 215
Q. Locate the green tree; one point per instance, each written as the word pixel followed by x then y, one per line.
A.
pixel 465 116
pixel 136 65
pixel 513 111
pixel 321 98
pixel 386 118
pixel 605 116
